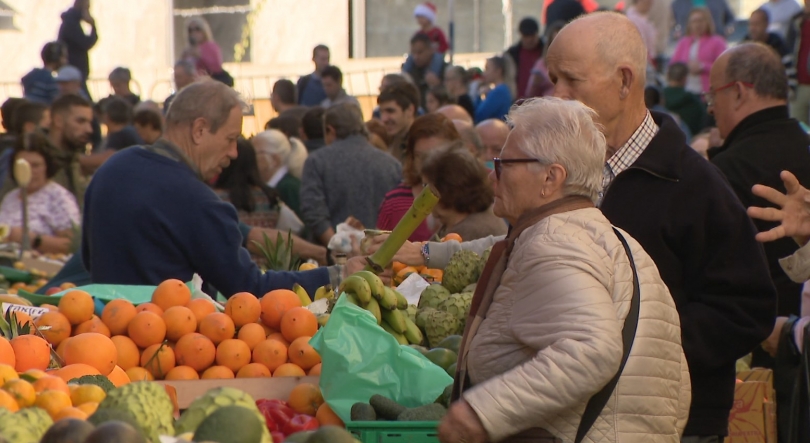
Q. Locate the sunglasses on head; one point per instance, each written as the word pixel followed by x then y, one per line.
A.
pixel 499 162
pixel 193 29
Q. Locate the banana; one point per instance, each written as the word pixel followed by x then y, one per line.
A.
pixel 395 319
pixel 358 286
pixel 307 266
pixel 402 302
pixel 374 282
pixel 399 337
pixel 322 319
pixel 389 300
pixel 352 299
pixel 374 308
pixel 326 292
pixel 14 299
pixel 413 333
pixel 302 295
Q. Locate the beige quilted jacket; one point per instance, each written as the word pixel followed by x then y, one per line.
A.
pixel 552 338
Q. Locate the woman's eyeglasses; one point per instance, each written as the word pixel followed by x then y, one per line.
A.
pixel 499 162
pixel 194 29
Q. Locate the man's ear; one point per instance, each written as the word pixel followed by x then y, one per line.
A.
pixel 628 79
pixel 198 129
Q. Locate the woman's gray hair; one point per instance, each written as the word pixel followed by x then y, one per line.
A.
pixel 272 142
pixel 564 132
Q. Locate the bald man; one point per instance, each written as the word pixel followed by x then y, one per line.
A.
pixel 455 112
pixel 470 137
pixel 677 206
pixel 493 133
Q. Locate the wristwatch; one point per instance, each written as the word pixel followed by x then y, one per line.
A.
pixel 426 252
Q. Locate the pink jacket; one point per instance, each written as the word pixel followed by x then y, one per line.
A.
pixel 709 49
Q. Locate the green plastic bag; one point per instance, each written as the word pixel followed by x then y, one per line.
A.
pixel 360 359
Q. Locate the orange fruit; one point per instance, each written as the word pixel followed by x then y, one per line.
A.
pixel 147 329
pixel 23 318
pixel 7 401
pixel 196 351
pixel 452 236
pixel 217 372
pixel 271 353
pixel 252 334
pixel 22 391
pixel 118 377
pixel 53 402
pixel 180 321
pixel 31 352
pixel 305 398
pixel 92 349
pixel 243 308
pixel 69 372
pixel 158 360
pixel 72 412
pixel 316 370
pixel 52 308
pixel 117 315
pixel 253 370
pixel 267 329
pixel 51 382
pixel 151 307
pixel 128 353
pixel 217 327
pixel 278 336
pixel 298 322
pixel 201 307
pixel 7 356
pixel 170 293
pixel 139 374
pixel 326 416
pixel 77 306
pixel 86 393
pixel 67 285
pixel 54 326
pixel 182 373
pixel 93 325
pixel 289 370
pixel 233 354
pixel 88 408
pixel 60 350
pixel 275 304
pixel 33 375
pixel 7 373
pixel 302 354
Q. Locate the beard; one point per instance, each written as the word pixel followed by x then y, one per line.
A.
pixel 74 145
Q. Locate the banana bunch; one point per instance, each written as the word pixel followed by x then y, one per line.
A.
pixel 389 307
pixel 302 295
pixel 14 299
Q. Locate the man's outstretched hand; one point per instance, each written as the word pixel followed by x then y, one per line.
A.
pixel 793 210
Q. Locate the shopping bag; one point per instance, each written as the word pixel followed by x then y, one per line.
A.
pixel 360 359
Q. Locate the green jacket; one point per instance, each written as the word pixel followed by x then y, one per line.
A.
pixel 289 190
pixel 688 106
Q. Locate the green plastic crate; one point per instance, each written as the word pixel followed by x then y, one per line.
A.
pixel 395 431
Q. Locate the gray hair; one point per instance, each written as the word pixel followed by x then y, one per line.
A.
pixel 273 142
pixel 346 118
pixel 187 66
pixel 564 132
pixel 759 65
pixel 619 42
pixel 470 135
pixel 208 99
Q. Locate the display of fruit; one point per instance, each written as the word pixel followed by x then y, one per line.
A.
pixel 24 426
pixel 462 270
pixel 214 400
pixel 148 403
pixel 383 408
pixel 432 296
pixel 232 424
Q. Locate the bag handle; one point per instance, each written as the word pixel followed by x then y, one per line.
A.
pixel 597 403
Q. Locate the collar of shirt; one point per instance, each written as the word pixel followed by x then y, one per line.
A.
pixel 629 152
pixel 170 150
pixel 282 171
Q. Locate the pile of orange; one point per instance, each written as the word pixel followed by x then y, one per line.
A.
pixel 36 388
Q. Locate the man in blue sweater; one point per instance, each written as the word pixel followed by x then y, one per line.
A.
pixel 39 85
pixel 149 216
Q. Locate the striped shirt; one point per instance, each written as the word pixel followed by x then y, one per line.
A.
pixel 628 153
pixel 395 204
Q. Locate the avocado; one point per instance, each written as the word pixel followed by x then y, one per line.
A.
pixel 104 415
pixel 363 412
pixel 331 434
pixel 68 431
pixel 451 370
pixel 115 431
pixel 385 407
pixel 446 396
pixel 452 343
pixel 430 412
pixel 442 357
pixel 422 350
pixel 298 437
pixel 231 424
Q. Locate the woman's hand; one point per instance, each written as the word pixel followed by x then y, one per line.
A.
pixel 695 68
pixel 462 425
pixel 410 253
pixel 792 211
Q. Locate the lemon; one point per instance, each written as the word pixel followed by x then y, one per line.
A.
pixel 87 394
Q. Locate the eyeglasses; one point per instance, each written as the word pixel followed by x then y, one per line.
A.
pixel 499 162
pixel 709 96
pixel 193 29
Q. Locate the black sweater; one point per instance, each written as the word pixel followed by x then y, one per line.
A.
pixel 685 215
pixel 78 43
pixel 760 147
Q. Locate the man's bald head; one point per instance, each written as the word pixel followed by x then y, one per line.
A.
pixel 455 112
pixel 472 141
pixel 493 133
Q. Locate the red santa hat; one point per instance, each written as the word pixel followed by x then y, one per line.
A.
pixel 427 10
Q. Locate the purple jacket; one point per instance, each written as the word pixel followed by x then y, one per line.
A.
pixel 709 49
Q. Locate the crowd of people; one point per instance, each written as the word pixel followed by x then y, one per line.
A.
pixel 561 139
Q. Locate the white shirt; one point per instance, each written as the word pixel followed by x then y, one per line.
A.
pixel 282 171
pixel 780 13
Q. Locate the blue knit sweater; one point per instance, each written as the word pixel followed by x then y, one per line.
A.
pixel 496 105
pixel 148 218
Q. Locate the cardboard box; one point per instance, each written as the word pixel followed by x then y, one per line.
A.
pixel 753 415
pixel 258 388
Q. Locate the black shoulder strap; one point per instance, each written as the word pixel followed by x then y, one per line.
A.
pixel 600 399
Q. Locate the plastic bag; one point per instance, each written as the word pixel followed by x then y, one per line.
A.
pixel 360 359
pixel 342 240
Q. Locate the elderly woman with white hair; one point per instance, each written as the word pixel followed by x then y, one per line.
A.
pixel 273 154
pixel 572 334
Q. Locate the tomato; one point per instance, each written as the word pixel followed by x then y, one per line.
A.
pixel 278 437
pixel 300 423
